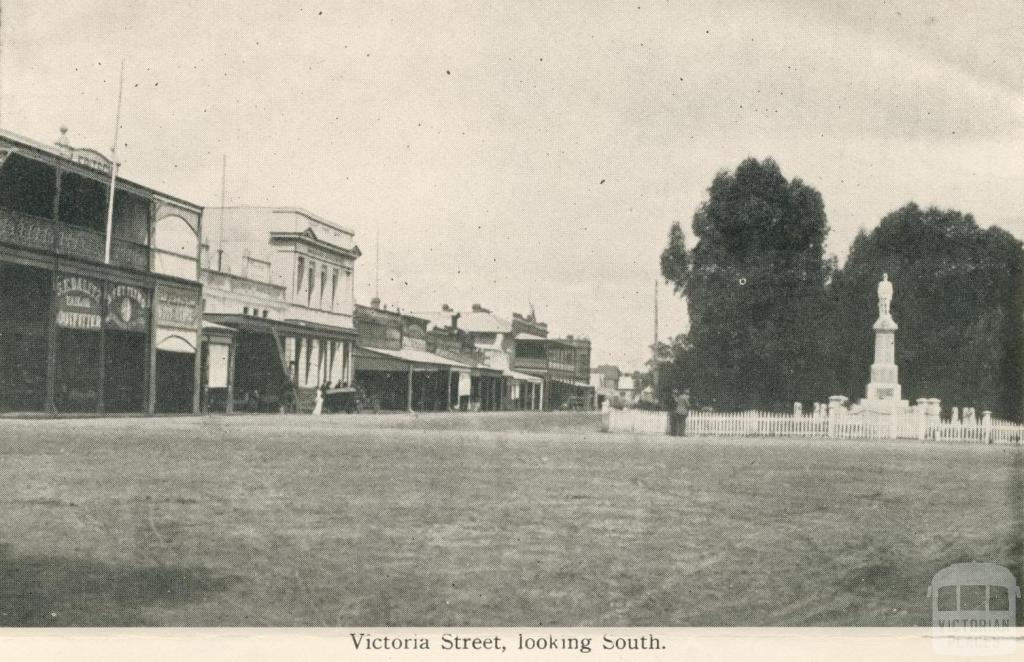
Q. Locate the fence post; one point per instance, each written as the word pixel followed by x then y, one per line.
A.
pixel 986 425
pixel 921 410
pixel 835 404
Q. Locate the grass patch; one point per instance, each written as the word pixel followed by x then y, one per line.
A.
pixel 467 520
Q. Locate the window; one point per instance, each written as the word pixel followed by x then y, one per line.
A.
pixel 27 186
pixel 83 202
pixel 132 215
pixel 973 598
pixel 334 287
pixel 323 285
pixel 947 598
pixel 312 278
pixel 302 272
pixel 998 598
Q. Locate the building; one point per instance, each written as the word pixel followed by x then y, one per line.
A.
pixel 398 368
pixel 564 366
pixel 91 323
pixel 494 385
pixel 604 379
pixel 538 372
pixel 282 279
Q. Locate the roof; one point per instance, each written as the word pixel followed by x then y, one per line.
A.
pixel 552 341
pixel 521 376
pixel 292 210
pixel 54 152
pixel 309 237
pixel 416 356
pixel 974 573
pixel 212 326
pixel 470 322
pixel 481 322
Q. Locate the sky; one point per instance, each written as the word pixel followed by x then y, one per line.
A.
pixel 534 153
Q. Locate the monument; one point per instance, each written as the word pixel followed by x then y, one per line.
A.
pixel 883 391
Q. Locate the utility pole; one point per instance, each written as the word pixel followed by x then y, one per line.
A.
pixel 113 170
pixel 654 368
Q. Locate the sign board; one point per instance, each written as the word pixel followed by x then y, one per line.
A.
pixel 79 303
pixel 177 308
pixel 127 308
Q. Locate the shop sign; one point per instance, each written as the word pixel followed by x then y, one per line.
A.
pixel 177 308
pixel 127 308
pixel 79 303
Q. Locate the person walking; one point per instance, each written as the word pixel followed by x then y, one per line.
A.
pixel 682 410
pixel 318 403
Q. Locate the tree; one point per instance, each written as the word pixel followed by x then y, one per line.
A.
pixel 755 290
pixel 959 303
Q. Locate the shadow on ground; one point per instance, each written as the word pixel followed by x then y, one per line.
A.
pixel 61 591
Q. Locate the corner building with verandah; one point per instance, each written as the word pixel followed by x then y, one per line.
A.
pixel 81 333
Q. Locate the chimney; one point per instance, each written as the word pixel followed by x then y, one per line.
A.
pixel 477 308
pixel 455 320
pixel 375 303
pixel 446 308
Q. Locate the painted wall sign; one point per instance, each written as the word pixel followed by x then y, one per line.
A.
pixel 79 303
pixel 127 308
pixel 177 308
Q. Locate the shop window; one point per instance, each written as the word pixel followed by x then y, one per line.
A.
pixel 83 202
pixel 27 186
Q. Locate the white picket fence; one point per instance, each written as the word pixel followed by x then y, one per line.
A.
pixel 837 426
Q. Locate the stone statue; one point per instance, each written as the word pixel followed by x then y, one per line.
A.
pixel 884 296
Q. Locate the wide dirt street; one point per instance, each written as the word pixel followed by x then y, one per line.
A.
pixel 473 519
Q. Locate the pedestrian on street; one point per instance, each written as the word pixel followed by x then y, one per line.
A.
pixel 682 410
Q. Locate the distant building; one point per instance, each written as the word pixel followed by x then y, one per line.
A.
pixel 282 278
pixel 604 379
pixel 81 333
pixel 501 387
pixel 539 372
pixel 396 367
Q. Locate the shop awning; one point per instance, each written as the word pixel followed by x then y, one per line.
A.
pixel 282 327
pixel 389 360
pixel 573 384
pixel 523 377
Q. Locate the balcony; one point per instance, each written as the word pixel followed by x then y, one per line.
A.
pixel 41 234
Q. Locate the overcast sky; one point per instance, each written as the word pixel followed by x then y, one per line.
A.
pixel 514 152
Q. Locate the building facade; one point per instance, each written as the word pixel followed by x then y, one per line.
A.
pixel 283 279
pixel 91 323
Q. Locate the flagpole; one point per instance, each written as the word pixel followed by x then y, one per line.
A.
pixel 113 169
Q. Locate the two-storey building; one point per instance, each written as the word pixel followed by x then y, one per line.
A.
pixel 282 278
pixel 91 322
pixel 398 366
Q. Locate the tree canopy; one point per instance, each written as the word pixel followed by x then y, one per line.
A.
pixel 755 289
pixel 958 302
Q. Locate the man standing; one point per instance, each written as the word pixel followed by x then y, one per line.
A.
pixel 682 411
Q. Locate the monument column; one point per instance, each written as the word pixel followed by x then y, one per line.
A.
pixel 883 392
